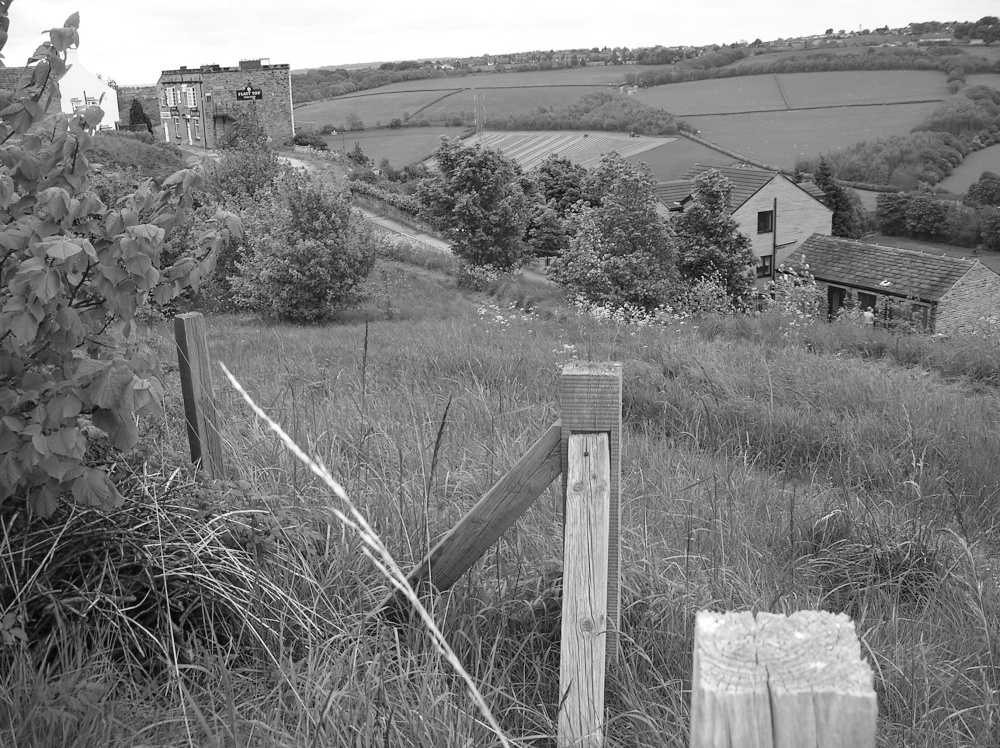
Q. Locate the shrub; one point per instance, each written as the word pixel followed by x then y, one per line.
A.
pixel 120 149
pixel 73 275
pixel 306 254
pixel 310 139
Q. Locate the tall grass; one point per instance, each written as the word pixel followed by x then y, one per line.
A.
pixel 764 468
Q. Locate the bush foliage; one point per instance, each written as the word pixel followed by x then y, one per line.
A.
pixel 73 275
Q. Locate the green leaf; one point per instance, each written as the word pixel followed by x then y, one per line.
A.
pixel 93 488
pixel 73 22
pixel 47 285
pixel 24 327
pixel 62 248
pixel 44 501
pixel 109 389
pixel 67 442
pixel 55 201
pixel 29 168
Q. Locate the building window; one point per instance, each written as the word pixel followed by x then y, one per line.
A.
pixel 867 301
pixel 171 96
pixel 765 222
pixel 163 98
pixel 189 94
pixel 766 267
pixel 835 297
pixel 197 128
pixel 177 127
pixel 919 316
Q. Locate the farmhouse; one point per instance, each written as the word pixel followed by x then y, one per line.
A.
pixel 200 106
pixel 78 89
pixel 770 208
pixel 940 294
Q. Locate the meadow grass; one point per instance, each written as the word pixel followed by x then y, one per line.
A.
pixel 766 466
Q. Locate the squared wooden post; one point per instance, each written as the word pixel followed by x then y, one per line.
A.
pixel 200 410
pixel 591 402
pixel 774 681
pixel 585 593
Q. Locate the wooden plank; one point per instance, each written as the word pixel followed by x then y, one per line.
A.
pixel 591 401
pixel 200 411
pixel 583 651
pixel 775 681
pixel 491 517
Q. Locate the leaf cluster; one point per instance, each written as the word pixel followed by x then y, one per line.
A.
pixel 73 274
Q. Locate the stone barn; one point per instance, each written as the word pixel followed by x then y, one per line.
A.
pixel 940 294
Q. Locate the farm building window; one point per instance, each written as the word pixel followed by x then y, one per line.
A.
pixel 867 301
pixel 766 266
pixel 835 297
pixel 919 315
pixel 765 222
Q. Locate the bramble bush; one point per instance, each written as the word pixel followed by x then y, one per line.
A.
pixel 306 253
pixel 73 274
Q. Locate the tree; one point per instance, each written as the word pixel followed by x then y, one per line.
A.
pixel 623 254
pixel 477 200
pixel 709 240
pixel 137 115
pixel 73 274
pixel 562 183
pixel 985 190
pixel 306 254
pixel 849 216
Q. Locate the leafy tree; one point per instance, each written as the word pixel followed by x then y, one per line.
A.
pixel 926 218
pixel 709 240
pixel 890 212
pixel 137 115
pixel 562 183
pixel 477 200
pixel 357 156
pixel 306 253
pixel 546 235
pixel 623 253
pixel 985 190
pixel 850 219
pixel 73 274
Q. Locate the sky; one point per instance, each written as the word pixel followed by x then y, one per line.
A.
pixel 131 42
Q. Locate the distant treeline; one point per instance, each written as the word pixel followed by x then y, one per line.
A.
pixel 314 85
pixel 601 110
pixel 967 121
pixel 719 64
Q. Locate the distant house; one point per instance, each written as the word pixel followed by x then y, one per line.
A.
pixel 198 106
pixel 940 294
pixel 770 208
pixel 628 90
pixel 79 88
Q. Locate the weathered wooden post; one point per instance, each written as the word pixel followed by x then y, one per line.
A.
pixel 774 681
pixel 200 411
pixel 591 406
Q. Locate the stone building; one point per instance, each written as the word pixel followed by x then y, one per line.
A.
pixel 773 211
pixel 199 106
pixel 939 294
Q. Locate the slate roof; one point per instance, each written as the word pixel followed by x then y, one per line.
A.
pixel 746 182
pixel 867 267
pixel 813 189
pixel 9 78
pixel 674 194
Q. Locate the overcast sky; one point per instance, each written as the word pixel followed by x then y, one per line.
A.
pixel 132 42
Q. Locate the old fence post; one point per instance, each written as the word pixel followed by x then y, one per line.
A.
pixel 591 447
pixel 199 398
pixel 774 681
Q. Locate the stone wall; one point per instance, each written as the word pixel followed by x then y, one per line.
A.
pixel 800 215
pixel 975 296
pixel 204 117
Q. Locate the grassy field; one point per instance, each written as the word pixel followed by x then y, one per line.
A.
pixel 529 148
pixel 971 168
pixel 715 96
pixel 369 108
pixel 778 138
pixel 507 100
pixel 591 75
pixel 671 160
pixel 840 88
pixel 766 466
pixel 403 146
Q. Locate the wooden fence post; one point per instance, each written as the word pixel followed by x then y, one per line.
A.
pixel 200 411
pixel 775 681
pixel 591 411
